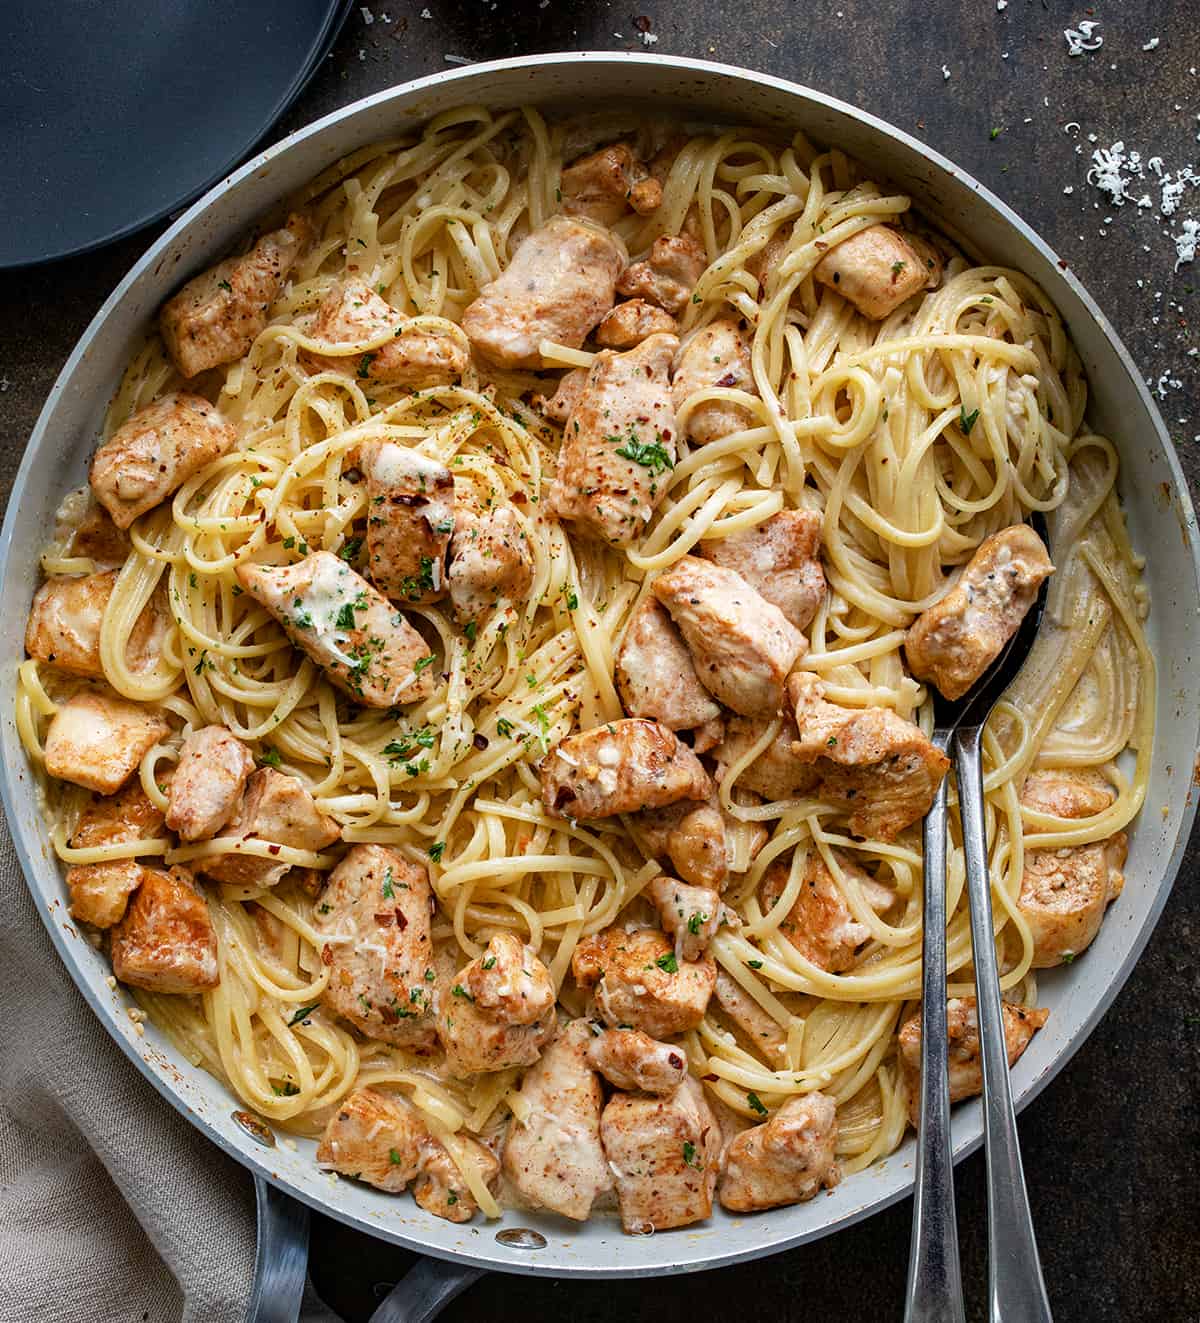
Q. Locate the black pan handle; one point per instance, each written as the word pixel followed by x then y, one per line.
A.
pixel 280 1256
pixel 424 1291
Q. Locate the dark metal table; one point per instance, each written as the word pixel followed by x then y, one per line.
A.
pixel 1112 1147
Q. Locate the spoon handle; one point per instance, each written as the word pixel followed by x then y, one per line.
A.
pixel 1016 1291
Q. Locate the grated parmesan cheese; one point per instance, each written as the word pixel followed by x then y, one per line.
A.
pixel 1186 242
pixel 1083 38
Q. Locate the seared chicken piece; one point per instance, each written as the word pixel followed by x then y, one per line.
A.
pixel 629 1059
pixel 821 924
pixel 630 323
pixel 490 560
pixel 776 773
pixel 155 452
pixel 692 915
pixel 966 1063
pixel 717 355
pixel 166 942
pixel 100 892
pixel 380 1138
pixel 692 836
pixel 618 445
pixel 1065 892
pixel 64 625
pixel 353 312
pixel 278 808
pixel 781 558
pixel 877 768
pixel 786 1160
pixel 764 1033
pixel 743 647
pixel 666 1156
pixel 98 538
pixel 410 521
pixel 362 643
pixel 557 287
pixel 654 672
pixel 558 407
pixel 879 268
pixel 603 186
pixel 620 767
pixel 954 642
pixel 375 917
pixel 217 316
pixel 553 1157
pixel 206 788
pixel 640 982
pixel 97 739
pixel 667 275
pixel 500 1011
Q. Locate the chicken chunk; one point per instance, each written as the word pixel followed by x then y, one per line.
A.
pixel 501 1010
pixel 743 647
pixel 654 672
pixel 440 1188
pixel 375 917
pixel 97 739
pixel 692 915
pixel 166 942
pixel 559 406
pixel 217 316
pixel 692 836
pixel 620 767
pixel 99 892
pixel 780 558
pixel 718 355
pixel 786 1160
pixel 98 538
pixel 966 1062
pixel 618 445
pixel 557 287
pixel 764 1033
pixel 553 1156
pixel 352 312
pixel 274 807
pixel 820 923
pixel 875 767
pixel 668 273
pixel 776 774
pixel 490 560
pixel 362 643
pixel 64 625
pixel 877 269
pixel 666 1156
pixel 207 785
pixel 1065 892
pixel 955 641
pixel 629 1059
pixel 639 981
pixel 155 452
pixel 630 323
pixel 604 186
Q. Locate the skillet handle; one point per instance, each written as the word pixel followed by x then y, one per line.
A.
pixel 424 1291
pixel 280 1256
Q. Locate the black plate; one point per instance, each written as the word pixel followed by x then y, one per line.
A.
pixel 117 112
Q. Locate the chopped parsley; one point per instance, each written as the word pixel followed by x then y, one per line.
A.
pixel 422 662
pixel 1067 957
pixel 897 267
pixel 504 726
pixel 270 757
pixel 995 133
pixel 193 582
pixel 350 548
pixel 224 284
pixel 451 1199
pixel 755 964
pixel 288 1090
pixel 288 543
pixel 345 617
pixel 459 991
pixel 694 922
pixel 490 963
pixel 436 851
pixel 689 1155
pixel 413 586
pixel 543 722
pixel 470 629
pixel 423 738
pixel 967 420
pixel 649 454
pixel 389 892
pixel 572 600
pixel 364 364
pixel 667 963
pixel 756 1104
pixel 302 1014
pixel 394 1158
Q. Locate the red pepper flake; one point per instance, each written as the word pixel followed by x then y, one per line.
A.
pixel 642 23
pixel 274 849
pixel 384 920
pixel 326 955
pixel 401 920
pixel 728 380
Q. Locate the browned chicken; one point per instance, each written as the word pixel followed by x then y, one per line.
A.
pixel 630 323
pixel 877 269
pixel 100 892
pixel 692 915
pixel 490 561
pixel 692 836
pixel 966 1063
pixel 717 355
pixel 639 981
pixel 206 788
pixel 1065 892
pixel 156 451
pixel 786 1160
pixel 98 538
pixel 620 767
pixel 375 919
pixel 557 287
pixel 605 185
pixel 618 446
pixel 761 1031
pixel 875 767
pixel 64 625
pixel 410 521
pixel 358 638
pixel 500 1011
pixel 567 393
pixel 776 774
pixel 166 942
pixel 554 1158
pixel 665 1154
pixel 654 672
pixel 954 642
pixel 742 646
pixel 629 1059
pixel 352 312
pixel 218 315
pixel 97 739
pixel 781 559
pixel 668 273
